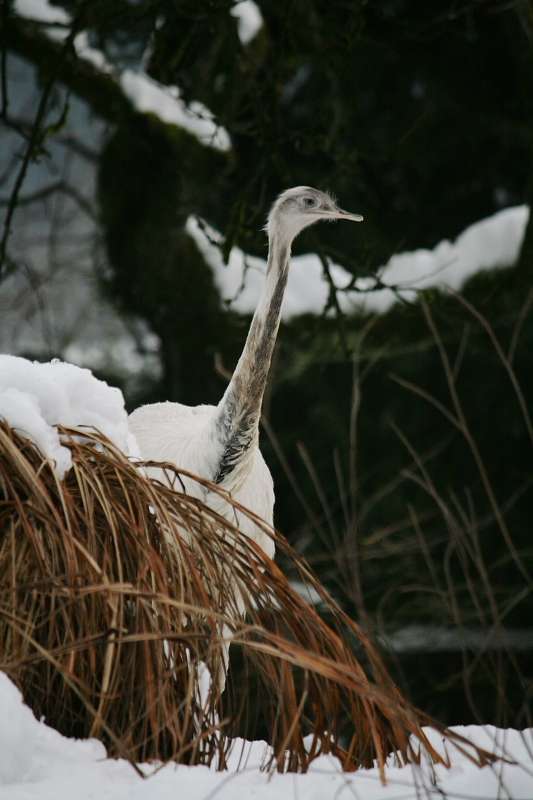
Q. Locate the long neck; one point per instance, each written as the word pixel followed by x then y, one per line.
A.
pixel 239 411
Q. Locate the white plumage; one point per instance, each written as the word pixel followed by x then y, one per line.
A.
pixel 185 436
pixel 220 442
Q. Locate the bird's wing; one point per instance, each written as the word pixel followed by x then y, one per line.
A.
pixel 176 433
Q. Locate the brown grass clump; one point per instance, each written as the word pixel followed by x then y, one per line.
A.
pixel 113 589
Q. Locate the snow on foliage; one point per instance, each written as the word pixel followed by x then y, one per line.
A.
pixel 43 11
pixel 34 397
pixel 249 19
pixel 149 96
pixel 491 242
pixel 37 763
pixel 144 93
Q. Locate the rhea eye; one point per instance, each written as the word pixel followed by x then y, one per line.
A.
pixel 309 202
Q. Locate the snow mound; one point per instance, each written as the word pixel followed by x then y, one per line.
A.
pixel 34 397
pixel 28 748
pixel 38 763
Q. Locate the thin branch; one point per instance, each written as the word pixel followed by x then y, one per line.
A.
pixel 462 425
pixel 517 330
pixel 79 147
pixel 58 187
pixel 503 358
pixel 333 302
pixel 36 133
pixel 23 127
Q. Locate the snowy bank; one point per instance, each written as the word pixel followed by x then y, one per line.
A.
pixel 37 763
pixel 35 397
pixel 489 243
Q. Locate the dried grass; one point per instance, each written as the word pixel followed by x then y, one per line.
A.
pixel 113 589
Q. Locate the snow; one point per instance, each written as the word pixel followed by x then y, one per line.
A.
pixel 246 12
pixel 91 54
pixel 34 397
pixel 240 281
pixel 37 763
pixel 23 413
pixel 489 243
pixel 149 96
pixel 249 19
pixel 42 11
pixel 145 94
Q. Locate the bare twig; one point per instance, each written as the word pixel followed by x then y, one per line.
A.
pixel 36 131
pixel 465 430
pixel 522 316
pixel 501 355
pixel 61 187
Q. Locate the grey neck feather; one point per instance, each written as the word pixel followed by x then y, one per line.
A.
pixel 239 411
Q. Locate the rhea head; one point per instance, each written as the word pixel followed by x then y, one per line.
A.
pixel 297 208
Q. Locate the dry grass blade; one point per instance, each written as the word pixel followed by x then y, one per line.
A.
pixel 115 592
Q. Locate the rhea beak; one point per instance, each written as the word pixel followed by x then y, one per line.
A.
pixel 338 213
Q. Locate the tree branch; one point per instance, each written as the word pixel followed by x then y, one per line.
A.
pixel 52 188
pixel 23 127
pixel 101 91
pixel 35 133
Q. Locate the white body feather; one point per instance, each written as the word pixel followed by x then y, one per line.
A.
pixel 186 437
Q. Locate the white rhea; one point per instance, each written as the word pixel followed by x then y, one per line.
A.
pixel 221 443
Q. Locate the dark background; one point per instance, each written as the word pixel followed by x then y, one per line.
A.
pixel 400 444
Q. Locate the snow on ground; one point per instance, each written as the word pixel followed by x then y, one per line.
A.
pixel 37 763
pixel 34 397
pixel 144 93
pixel 491 242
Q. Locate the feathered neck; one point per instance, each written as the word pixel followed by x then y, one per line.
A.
pixel 239 412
